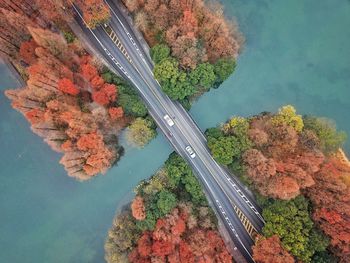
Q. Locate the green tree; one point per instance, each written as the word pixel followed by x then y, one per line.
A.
pixel 173 81
pixel 194 188
pixel 69 36
pixel 325 129
pixel 166 202
pixel 223 149
pixel 215 132
pixel 176 167
pixel 291 221
pixel 287 115
pixel 223 68
pixel 203 75
pixel 132 105
pixel 140 132
pixel 323 257
pixel 159 52
pixel 148 223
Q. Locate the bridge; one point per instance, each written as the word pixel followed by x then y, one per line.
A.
pixel 117 44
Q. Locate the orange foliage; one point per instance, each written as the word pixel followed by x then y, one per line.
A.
pixel 281 164
pixel 91 141
pixel 268 250
pixel 67 86
pixel 138 208
pixel 27 51
pixel 106 95
pixel 97 83
pixel 69 124
pixel 186 24
pixel 88 71
pixel 116 112
pixel 35 116
pixel 330 197
pixel 94 12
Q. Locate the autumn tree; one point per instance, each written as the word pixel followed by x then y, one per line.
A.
pixel 270 249
pixel 27 51
pixel 330 197
pixel 138 208
pixel 95 12
pixel 287 115
pixel 116 112
pixel 67 86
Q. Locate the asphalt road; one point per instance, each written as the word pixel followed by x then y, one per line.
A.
pixel 222 189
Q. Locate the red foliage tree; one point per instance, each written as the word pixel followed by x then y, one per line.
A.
pixel 144 245
pixel 105 95
pixel 88 71
pixel 35 116
pixel 267 250
pixel 171 241
pixel 97 82
pixel 67 86
pixel 330 197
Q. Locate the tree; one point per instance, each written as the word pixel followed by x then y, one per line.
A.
pixel 290 220
pixel 106 95
pixel 287 115
pixel 116 112
pixel 67 86
pixel 122 236
pixel 331 207
pixel 267 250
pixel 88 71
pixel 159 52
pixel 176 168
pixel 140 132
pixel 27 51
pixel 54 43
pixel 223 68
pixel 203 75
pixel 166 202
pixel 330 138
pixel 224 149
pixel 194 188
pixel 138 208
pixel 95 12
pixel 173 81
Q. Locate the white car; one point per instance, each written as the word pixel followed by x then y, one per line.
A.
pixel 190 151
pixel 169 120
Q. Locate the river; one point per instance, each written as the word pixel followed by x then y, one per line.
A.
pixel 296 53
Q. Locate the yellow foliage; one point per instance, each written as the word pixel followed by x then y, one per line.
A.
pixel 287 115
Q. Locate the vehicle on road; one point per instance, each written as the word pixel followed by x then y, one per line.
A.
pixel 190 151
pixel 169 120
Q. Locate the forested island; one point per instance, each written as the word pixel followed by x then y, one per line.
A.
pixel 76 104
pixel 297 171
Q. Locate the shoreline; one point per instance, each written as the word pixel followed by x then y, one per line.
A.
pixel 14 72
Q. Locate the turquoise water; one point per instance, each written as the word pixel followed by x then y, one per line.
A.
pixel 295 53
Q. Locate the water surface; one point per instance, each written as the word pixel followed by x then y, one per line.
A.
pixel 296 53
